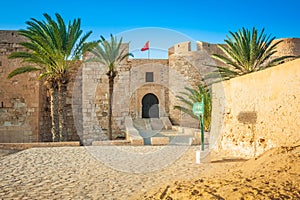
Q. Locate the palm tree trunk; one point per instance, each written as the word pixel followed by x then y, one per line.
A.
pixel 111 77
pixel 62 94
pixel 54 112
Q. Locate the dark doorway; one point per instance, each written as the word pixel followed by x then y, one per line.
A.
pixel 150 106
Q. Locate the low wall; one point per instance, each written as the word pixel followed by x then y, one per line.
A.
pixel 22 146
pixel 132 134
pixel 258 111
pixel 196 133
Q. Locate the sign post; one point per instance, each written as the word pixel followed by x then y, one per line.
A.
pixel 198 110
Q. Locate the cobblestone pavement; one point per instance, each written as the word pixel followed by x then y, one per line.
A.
pixel 103 172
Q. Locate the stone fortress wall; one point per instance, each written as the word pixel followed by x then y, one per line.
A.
pixel 183 68
pixel 257 111
pixel 24 101
pixel 24 116
pixel 20 97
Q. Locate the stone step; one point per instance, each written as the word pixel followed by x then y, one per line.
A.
pixel 156 124
pixel 152 123
pixel 111 143
pixel 181 140
pixel 160 140
pixel 141 124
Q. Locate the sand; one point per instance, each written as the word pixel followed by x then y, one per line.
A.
pixel 273 175
pixel 6 152
pixel 96 172
pixel 75 173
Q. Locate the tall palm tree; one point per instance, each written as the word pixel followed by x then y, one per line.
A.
pixel 195 95
pixel 246 52
pixel 110 54
pixel 54 48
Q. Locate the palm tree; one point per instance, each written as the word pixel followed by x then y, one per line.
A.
pixel 246 52
pixel 195 95
pixel 54 48
pixel 110 54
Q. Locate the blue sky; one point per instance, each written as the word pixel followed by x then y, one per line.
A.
pixel 207 21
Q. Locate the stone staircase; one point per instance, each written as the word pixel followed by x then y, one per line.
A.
pixel 149 124
pixel 142 124
pixel 156 131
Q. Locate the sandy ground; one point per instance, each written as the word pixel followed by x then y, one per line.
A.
pixel 6 152
pixel 94 172
pixel 273 175
pixel 147 172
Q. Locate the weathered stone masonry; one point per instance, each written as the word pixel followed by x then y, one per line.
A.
pixel 24 106
pixel 257 111
pixel 184 68
pixel 24 101
pixel 19 96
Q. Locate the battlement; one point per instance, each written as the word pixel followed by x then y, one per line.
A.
pixel 180 48
pixel 8 36
pixel 288 46
pixel 9 41
pixel 185 47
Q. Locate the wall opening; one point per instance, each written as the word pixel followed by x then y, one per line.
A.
pixel 150 107
pixel 149 77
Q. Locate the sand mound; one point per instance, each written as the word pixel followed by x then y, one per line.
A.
pixel 273 175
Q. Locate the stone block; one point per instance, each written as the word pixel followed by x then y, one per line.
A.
pixel 137 141
pixel 159 140
pixel 110 142
pixel 6 123
pixel 188 131
pixel 30 109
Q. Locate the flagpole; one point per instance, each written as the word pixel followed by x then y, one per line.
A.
pixel 148 53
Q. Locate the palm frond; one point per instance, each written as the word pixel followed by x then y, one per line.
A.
pixel 186 110
pixel 109 53
pixel 52 43
pixel 192 96
pixel 245 52
pixel 22 70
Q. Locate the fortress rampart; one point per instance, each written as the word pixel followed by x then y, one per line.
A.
pixel 24 101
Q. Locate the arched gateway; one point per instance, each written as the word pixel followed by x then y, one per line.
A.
pixel 150 107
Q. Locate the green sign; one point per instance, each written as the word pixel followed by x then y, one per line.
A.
pixel 198 108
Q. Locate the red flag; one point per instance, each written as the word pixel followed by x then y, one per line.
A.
pixel 146 46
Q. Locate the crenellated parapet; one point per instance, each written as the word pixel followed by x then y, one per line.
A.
pixel 10 42
pixel 288 46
